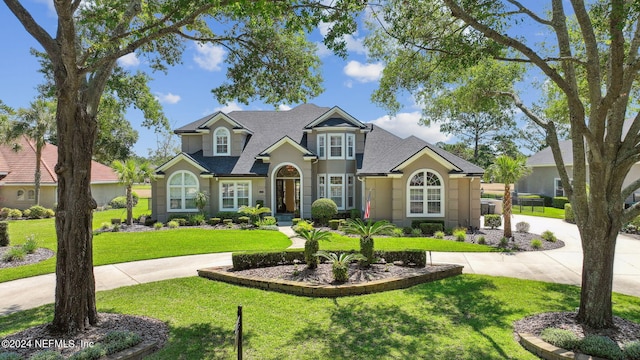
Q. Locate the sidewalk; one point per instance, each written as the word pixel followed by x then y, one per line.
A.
pixel 559 266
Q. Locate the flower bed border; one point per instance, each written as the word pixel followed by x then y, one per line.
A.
pixel 310 290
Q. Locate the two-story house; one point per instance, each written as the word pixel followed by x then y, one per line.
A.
pixel 288 159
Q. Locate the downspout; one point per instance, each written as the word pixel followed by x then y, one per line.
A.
pixel 470 199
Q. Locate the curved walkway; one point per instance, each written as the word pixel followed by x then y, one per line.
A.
pixel 560 266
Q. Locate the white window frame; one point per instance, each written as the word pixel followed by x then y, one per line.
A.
pixel 227 135
pixel 183 195
pixel 235 184
pixel 556 182
pixel 331 186
pixel 322 186
pixel 329 147
pixel 425 188
pixel 351 192
pixel 351 146
pixel 322 146
pixel 20 194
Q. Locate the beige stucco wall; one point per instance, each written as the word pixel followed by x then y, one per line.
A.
pixel 102 193
pixel 191 143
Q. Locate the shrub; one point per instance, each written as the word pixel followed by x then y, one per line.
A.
pixel 158 225
pixel 243 220
pixel 312 246
pixel 460 234
pixel 504 242
pixel 267 221
pixel 492 220
pixel 549 236
pixel 407 230
pixel 303 225
pixel 215 221
pixel 397 232
pixel 228 222
pixel 196 219
pixel 340 263
pixel 244 261
pixel 26 213
pixel 429 228
pixel 536 244
pixel 4 233
pixel 568 214
pixel 523 227
pixel 439 235
pixel 90 353
pixel 180 219
pixel 559 201
pixel 482 240
pixel 565 339
pixel 50 213
pixel 105 226
pixel 16 253
pixel 46 355
pixel 233 215
pixel 354 213
pixel 37 212
pixel 632 350
pixel 116 341
pixel 335 224
pixel 10 356
pixel 417 257
pixel 323 210
pixel 116 228
pixel 4 212
pixel 295 221
pixel 173 224
pixel 15 213
pixel 416 223
pixel 31 244
pixel 416 232
pixel 601 346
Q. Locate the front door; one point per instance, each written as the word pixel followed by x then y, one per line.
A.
pixel 287 190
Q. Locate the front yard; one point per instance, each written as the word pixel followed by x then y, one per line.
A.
pixel 464 317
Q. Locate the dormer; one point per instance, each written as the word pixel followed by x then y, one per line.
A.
pixel 217 134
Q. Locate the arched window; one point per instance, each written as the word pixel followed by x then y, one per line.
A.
pixel 20 195
pixel 425 194
pixel 182 189
pixel 31 195
pixel 221 141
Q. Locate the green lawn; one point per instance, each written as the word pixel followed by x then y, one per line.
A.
pixel 339 242
pixel 549 212
pixel 464 317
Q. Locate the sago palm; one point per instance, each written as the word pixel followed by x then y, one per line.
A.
pixel 311 246
pixel 340 264
pixel 366 231
pixel 507 170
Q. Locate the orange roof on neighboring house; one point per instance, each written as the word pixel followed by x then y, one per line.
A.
pixel 20 166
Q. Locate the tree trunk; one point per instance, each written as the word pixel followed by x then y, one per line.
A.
pixel 506 210
pixel 75 305
pixel 38 175
pixel 599 236
pixel 129 205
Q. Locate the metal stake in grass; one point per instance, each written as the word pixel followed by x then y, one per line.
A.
pixel 238 331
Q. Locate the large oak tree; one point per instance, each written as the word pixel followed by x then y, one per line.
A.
pixel 590 54
pixel 268 57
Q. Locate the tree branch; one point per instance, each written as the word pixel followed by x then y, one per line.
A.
pixel 532 15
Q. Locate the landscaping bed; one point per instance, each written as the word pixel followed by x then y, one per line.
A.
pixel 37 256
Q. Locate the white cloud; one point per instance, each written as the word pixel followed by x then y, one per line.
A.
pixel 323 50
pixel 50 6
pixel 407 124
pixel 129 60
pixel 168 98
pixel 232 106
pixel 283 107
pixel 209 57
pixel 364 72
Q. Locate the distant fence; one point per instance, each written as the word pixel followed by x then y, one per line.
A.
pixel 534 204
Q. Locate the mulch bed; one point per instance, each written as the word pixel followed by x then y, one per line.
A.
pixel 624 331
pixel 40 254
pixel 148 328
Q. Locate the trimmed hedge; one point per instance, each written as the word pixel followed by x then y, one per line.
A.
pixel 244 261
pixel 568 214
pixel 120 202
pixel 492 220
pixel 4 233
pixel 559 201
pixel 334 224
pixel 233 215
pixel 416 223
pixel 430 228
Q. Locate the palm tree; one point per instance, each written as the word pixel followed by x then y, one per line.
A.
pixel 340 264
pixel 366 231
pixel 129 173
pixel 254 212
pixel 507 170
pixel 311 246
pixel 37 123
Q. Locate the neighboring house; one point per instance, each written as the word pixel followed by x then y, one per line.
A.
pixel 545 179
pixel 288 159
pixel 17 171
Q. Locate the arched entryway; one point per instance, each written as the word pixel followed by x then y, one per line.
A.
pixel 286 190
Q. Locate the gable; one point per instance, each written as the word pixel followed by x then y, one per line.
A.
pixel 182 157
pixel 336 117
pixel 285 142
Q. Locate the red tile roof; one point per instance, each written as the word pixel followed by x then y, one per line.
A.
pixel 21 165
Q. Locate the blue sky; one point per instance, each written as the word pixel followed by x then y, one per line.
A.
pixel 185 91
